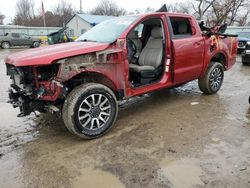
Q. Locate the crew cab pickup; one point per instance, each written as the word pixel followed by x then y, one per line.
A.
pixel 115 60
pixel 18 39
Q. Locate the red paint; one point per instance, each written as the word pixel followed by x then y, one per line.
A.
pixel 48 54
pixel 189 58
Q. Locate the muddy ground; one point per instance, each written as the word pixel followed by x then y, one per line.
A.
pixel 170 138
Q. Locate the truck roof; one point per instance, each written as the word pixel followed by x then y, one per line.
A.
pixel 167 14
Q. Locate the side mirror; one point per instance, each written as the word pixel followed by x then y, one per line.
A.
pixel 223 28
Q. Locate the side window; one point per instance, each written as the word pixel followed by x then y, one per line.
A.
pixel 139 30
pixel 15 35
pixel 24 36
pixel 181 27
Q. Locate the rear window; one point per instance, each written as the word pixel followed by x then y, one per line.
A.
pixel 181 27
pixel 15 35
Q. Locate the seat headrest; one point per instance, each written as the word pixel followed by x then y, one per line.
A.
pixel 182 28
pixel 156 32
pixel 133 35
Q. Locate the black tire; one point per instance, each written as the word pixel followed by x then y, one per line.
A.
pixel 35 44
pixel 212 81
pixel 5 45
pixel 80 104
pixel 245 63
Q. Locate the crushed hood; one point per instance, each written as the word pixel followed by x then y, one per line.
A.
pixel 46 55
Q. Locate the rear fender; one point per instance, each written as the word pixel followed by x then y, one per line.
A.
pixel 216 57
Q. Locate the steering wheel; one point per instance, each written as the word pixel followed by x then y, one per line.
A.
pixel 133 47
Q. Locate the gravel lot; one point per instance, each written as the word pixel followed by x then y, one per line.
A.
pixel 170 138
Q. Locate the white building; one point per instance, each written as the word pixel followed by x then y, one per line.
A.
pixel 31 31
pixel 238 29
pixel 80 23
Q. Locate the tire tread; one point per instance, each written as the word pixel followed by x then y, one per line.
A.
pixel 70 102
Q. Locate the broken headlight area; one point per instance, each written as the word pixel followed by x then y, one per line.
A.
pixel 22 79
pixel 32 80
pixel 33 88
pixel 46 73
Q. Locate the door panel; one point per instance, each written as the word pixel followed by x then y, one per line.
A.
pixel 15 39
pixel 188 58
pixel 24 40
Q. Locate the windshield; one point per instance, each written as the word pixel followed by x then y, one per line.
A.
pixel 245 34
pixel 108 31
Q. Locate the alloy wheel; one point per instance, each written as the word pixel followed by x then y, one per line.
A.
pixel 216 79
pixel 94 112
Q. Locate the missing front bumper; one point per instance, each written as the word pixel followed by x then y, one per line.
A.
pixel 25 104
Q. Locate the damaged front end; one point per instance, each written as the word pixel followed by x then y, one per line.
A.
pixel 44 88
pixel 34 88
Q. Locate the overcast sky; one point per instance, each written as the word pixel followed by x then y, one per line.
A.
pixel 8 7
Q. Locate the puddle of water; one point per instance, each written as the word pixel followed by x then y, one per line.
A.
pixel 93 178
pixel 183 173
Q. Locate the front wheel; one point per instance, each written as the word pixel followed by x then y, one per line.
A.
pixel 212 81
pixel 90 110
pixel 5 45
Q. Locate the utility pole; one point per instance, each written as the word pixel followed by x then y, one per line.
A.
pixel 81 6
pixel 43 14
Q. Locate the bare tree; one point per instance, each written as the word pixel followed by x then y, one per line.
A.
pixel 173 7
pixel 149 10
pixel 1 18
pixel 62 13
pixel 236 6
pixel 228 11
pixel 25 12
pixel 243 19
pixel 184 7
pixel 201 7
pixel 109 8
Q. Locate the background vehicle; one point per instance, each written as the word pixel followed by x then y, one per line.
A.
pixel 246 55
pixel 18 39
pixel 60 36
pixel 243 38
pixel 115 60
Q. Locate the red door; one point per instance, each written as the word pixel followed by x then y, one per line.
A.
pixel 188 47
pixel 188 59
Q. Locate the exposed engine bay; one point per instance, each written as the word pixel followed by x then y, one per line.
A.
pixel 29 85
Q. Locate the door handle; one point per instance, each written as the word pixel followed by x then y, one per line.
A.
pixel 197 43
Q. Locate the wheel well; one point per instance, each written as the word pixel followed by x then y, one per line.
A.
pixel 4 41
pixel 220 58
pixel 92 77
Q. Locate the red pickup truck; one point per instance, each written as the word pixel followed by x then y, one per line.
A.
pixel 115 60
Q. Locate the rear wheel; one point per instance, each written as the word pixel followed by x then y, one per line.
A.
pixel 212 81
pixel 36 44
pixel 90 110
pixel 5 45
